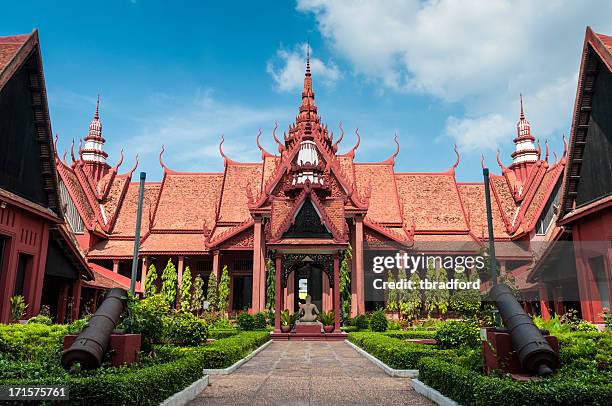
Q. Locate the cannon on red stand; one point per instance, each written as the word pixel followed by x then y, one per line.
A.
pixel 90 345
pixel 533 350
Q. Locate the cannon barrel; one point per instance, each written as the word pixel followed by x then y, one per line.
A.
pixel 534 353
pixel 91 344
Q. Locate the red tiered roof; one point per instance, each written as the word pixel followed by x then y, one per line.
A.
pixel 199 212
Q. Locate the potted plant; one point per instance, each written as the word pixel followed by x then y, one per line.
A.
pixel 286 321
pixel 328 319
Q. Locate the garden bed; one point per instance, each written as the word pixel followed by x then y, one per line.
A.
pixel 584 378
pixel 148 383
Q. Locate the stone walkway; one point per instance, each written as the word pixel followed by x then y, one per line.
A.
pixel 309 373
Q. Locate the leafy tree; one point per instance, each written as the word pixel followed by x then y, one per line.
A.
pixel 169 282
pixel 212 296
pixel 150 287
pixel 345 284
pixel 186 290
pixel 436 299
pixel 392 295
pixel 466 301
pixel 224 289
pixel 197 299
pixel 270 285
pixel 411 299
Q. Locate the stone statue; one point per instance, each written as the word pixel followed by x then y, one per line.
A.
pixel 308 311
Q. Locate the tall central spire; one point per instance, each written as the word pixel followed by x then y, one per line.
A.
pixel 308 110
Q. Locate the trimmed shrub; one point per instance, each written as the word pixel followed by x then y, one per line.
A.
pixel 146 317
pixel 150 385
pixel 378 321
pixel 361 321
pixel 411 334
pixel 260 321
pixel 40 319
pixel 246 322
pixel 24 342
pixel 396 353
pixel 220 334
pixel 456 334
pixel 187 329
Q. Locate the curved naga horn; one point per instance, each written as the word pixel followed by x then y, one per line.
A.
pixel 564 147
pixel 72 151
pixel 458 158
pixel 546 155
pixel 391 159
pixel 335 146
pixel 264 153
pixel 501 165
pixel 161 161
pixel 116 168
pixel 352 151
pixel 281 147
pixel 136 165
pixel 539 150
pixel 226 159
pixel 55 142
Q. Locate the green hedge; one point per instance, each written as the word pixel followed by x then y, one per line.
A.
pixel 219 334
pixel 469 388
pixel 411 334
pixel 152 384
pixel 396 353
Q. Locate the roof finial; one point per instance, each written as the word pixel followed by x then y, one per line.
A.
pixel 308 58
pixel 97 115
pixel 522 113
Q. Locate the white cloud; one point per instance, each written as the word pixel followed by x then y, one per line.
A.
pixel 480 54
pixel 289 76
pixel 190 129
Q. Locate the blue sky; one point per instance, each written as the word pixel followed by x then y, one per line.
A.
pixel 438 73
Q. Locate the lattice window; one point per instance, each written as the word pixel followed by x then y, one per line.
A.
pixel 203 267
pixel 243 264
pixel 70 211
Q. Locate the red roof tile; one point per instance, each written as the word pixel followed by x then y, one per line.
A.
pixel 432 200
pixel 473 198
pixel 112 248
pixel 107 279
pixel 9 47
pixel 170 243
pixel 539 199
pixel 125 224
pixel 234 200
pixel 112 201
pixel 187 201
pixel 384 205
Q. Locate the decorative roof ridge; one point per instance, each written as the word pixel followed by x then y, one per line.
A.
pixel 388 232
pixel 226 159
pixel 391 159
pixel 335 145
pixel 530 223
pixel 497 197
pixel 528 196
pixel 338 234
pixel 225 235
pixel 461 205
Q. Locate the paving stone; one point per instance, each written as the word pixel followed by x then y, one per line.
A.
pixel 308 373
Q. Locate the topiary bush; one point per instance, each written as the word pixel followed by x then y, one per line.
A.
pixel 456 334
pixel 146 317
pixel 361 321
pixel 246 322
pixel 186 329
pixel 260 321
pixel 40 319
pixel 378 321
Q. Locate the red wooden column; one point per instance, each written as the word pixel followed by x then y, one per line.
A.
pixel 358 271
pixel 37 288
pixel 278 293
pixel 256 291
pixel 76 299
pixel 216 264
pixel 544 301
pixel 115 265
pixel 337 291
pixel 62 301
pixel 558 300
pixel 181 266
pixel 143 274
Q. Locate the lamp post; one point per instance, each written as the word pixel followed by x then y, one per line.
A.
pixel 143 176
pixel 492 258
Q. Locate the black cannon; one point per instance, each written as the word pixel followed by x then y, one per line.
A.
pixel 91 344
pixel 534 353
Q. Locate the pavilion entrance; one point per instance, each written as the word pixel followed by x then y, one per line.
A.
pixel 308 280
pixel 310 273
